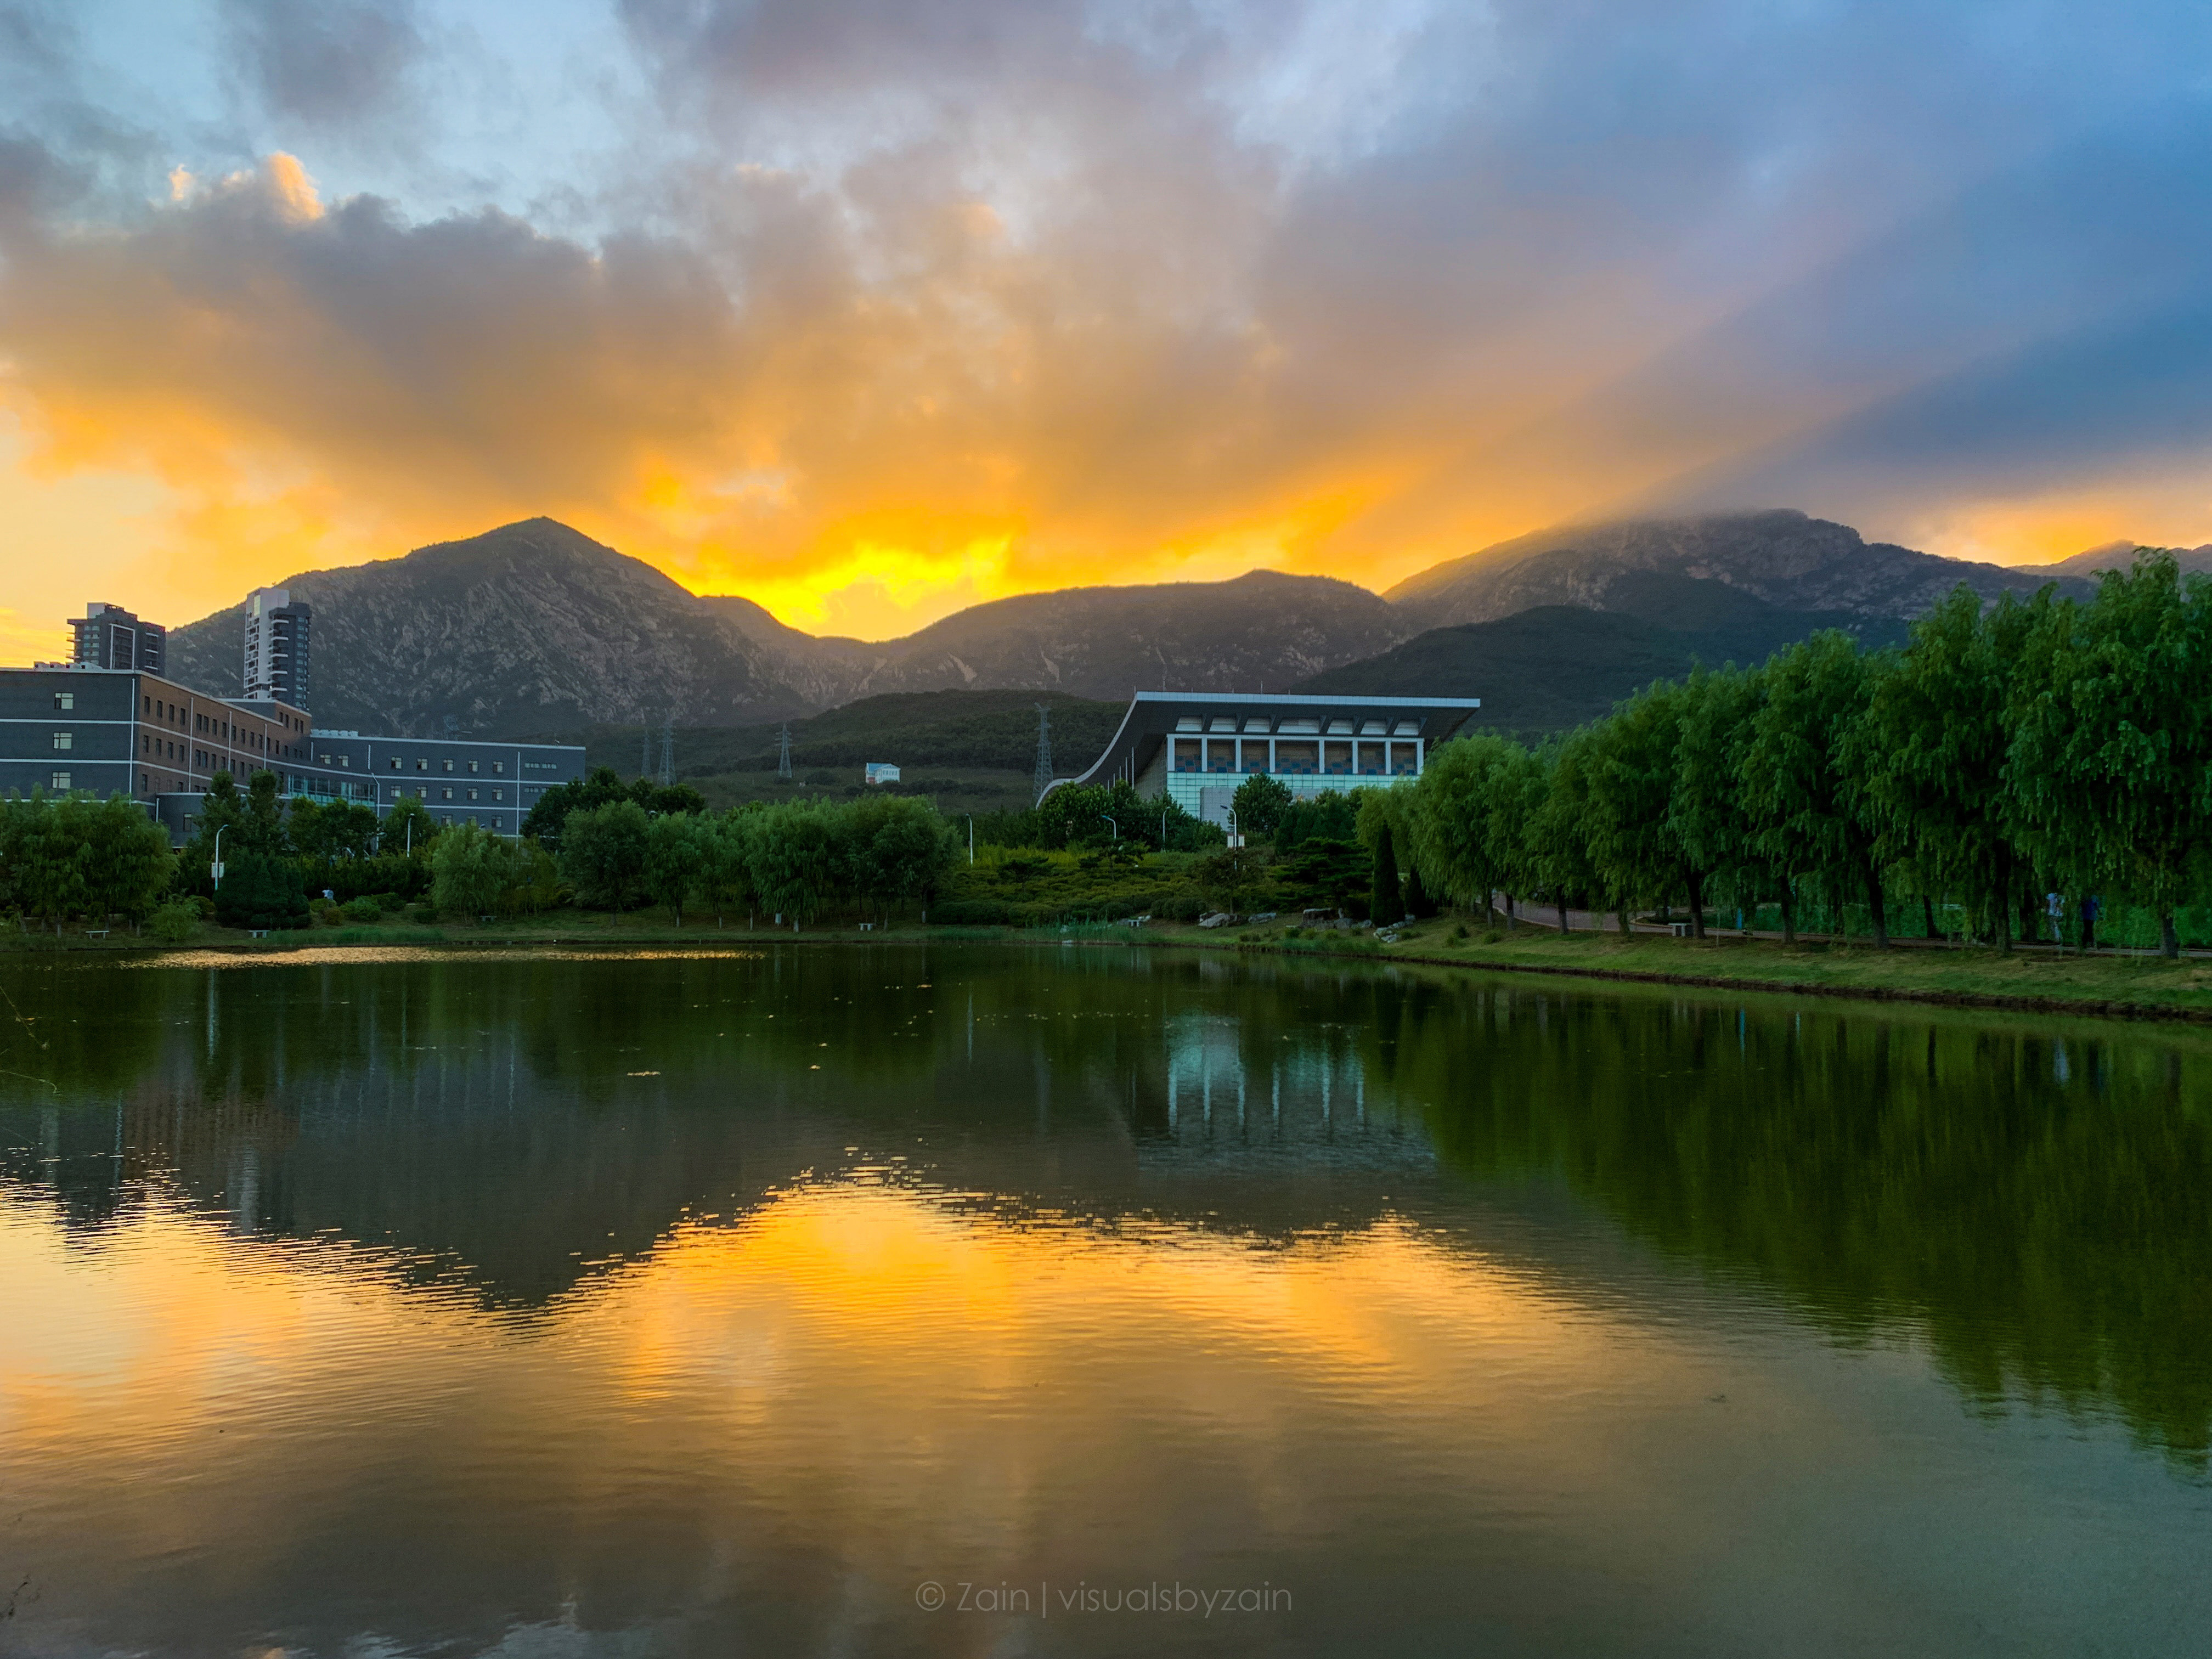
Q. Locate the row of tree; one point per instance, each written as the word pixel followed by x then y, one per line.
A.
pixel 2005 752
pixel 796 859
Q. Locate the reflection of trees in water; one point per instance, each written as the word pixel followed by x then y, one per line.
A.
pixel 2035 1198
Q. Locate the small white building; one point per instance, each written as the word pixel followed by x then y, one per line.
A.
pixel 882 772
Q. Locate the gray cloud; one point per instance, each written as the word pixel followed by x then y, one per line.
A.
pixel 325 62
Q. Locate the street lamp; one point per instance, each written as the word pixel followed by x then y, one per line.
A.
pixel 215 869
pixel 1108 817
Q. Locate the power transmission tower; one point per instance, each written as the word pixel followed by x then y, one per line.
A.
pixel 783 754
pixel 668 751
pixel 1043 780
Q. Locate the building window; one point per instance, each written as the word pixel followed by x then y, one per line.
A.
pixel 145 784
pixel 148 701
pixel 65 740
pixel 61 782
pixel 448 793
pixel 64 699
pixel 473 766
pixel 499 766
pixel 449 766
pixel 472 794
pixel 421 766
pixel 499 794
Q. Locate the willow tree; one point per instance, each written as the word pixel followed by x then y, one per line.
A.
pixel 1803 776
pixel 1452 822
pixel 1634 845
pixel 1934 745
pixel 2111 749
pixel 1706 811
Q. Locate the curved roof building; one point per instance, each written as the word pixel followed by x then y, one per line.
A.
pixel 1198 746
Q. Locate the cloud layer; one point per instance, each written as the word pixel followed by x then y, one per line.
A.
pixel 868 308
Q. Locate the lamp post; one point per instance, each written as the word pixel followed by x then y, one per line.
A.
pixel 215 870
pixel 1116 828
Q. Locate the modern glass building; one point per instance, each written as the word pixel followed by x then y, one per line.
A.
pixel 1198 748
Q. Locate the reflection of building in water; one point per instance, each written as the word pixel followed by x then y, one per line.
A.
pixel 1305 1090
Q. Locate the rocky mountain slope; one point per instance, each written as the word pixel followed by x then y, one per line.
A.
pixel 1783 557
pixel 534 628
pixel 1257 633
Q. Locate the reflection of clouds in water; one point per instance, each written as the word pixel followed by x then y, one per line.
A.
pixel 329 956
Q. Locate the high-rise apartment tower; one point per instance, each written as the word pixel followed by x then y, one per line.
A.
pixel 108 636
pixel 276 647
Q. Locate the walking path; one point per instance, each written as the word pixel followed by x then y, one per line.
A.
pixel 1546 919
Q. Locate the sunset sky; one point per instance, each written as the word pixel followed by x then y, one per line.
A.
pixel 869 309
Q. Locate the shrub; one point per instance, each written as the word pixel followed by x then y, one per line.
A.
pixel 363 911
pixel 174 922
pixel 261 891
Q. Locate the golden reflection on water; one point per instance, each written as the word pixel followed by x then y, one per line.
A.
pixel 326 956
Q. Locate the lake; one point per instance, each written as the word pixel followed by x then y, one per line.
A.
pixel 968 1300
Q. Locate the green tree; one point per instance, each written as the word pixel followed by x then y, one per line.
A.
pixel 1935 744
pixel 1557 830
pixel 676 854
pixel 2112 752
pixel 602 852
pixel 472 872
pixel 259 889
pixel 1387 905
pixel 327 833
pixel 1448 819
pixel 795 859
pixel 1630 777
pixel 126 862
pixel 897 848
pixel 725 848
pixel 1260 803
pixel 1804 775
pixel 409 829
pixel 1230 876
pixel 600 786
pixel 1706 813
pixel 42 858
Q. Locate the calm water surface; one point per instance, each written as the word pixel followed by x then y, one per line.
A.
pixel 736 1305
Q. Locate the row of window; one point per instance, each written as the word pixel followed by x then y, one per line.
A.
pixel 398 765
pixel 399 793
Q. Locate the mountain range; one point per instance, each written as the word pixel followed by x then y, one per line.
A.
pixel 534 628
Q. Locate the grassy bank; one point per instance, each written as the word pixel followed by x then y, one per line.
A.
pixel 2131 986
pixel 2128 986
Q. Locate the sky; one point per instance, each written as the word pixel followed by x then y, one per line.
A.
pixel 871 309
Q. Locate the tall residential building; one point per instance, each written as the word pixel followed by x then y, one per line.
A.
pixel 108 636
pixel 276 647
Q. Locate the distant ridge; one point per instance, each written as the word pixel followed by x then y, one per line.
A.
pixel 1784 557
pixel 2117 556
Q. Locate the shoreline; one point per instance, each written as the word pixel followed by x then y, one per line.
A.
pixel 2153 988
